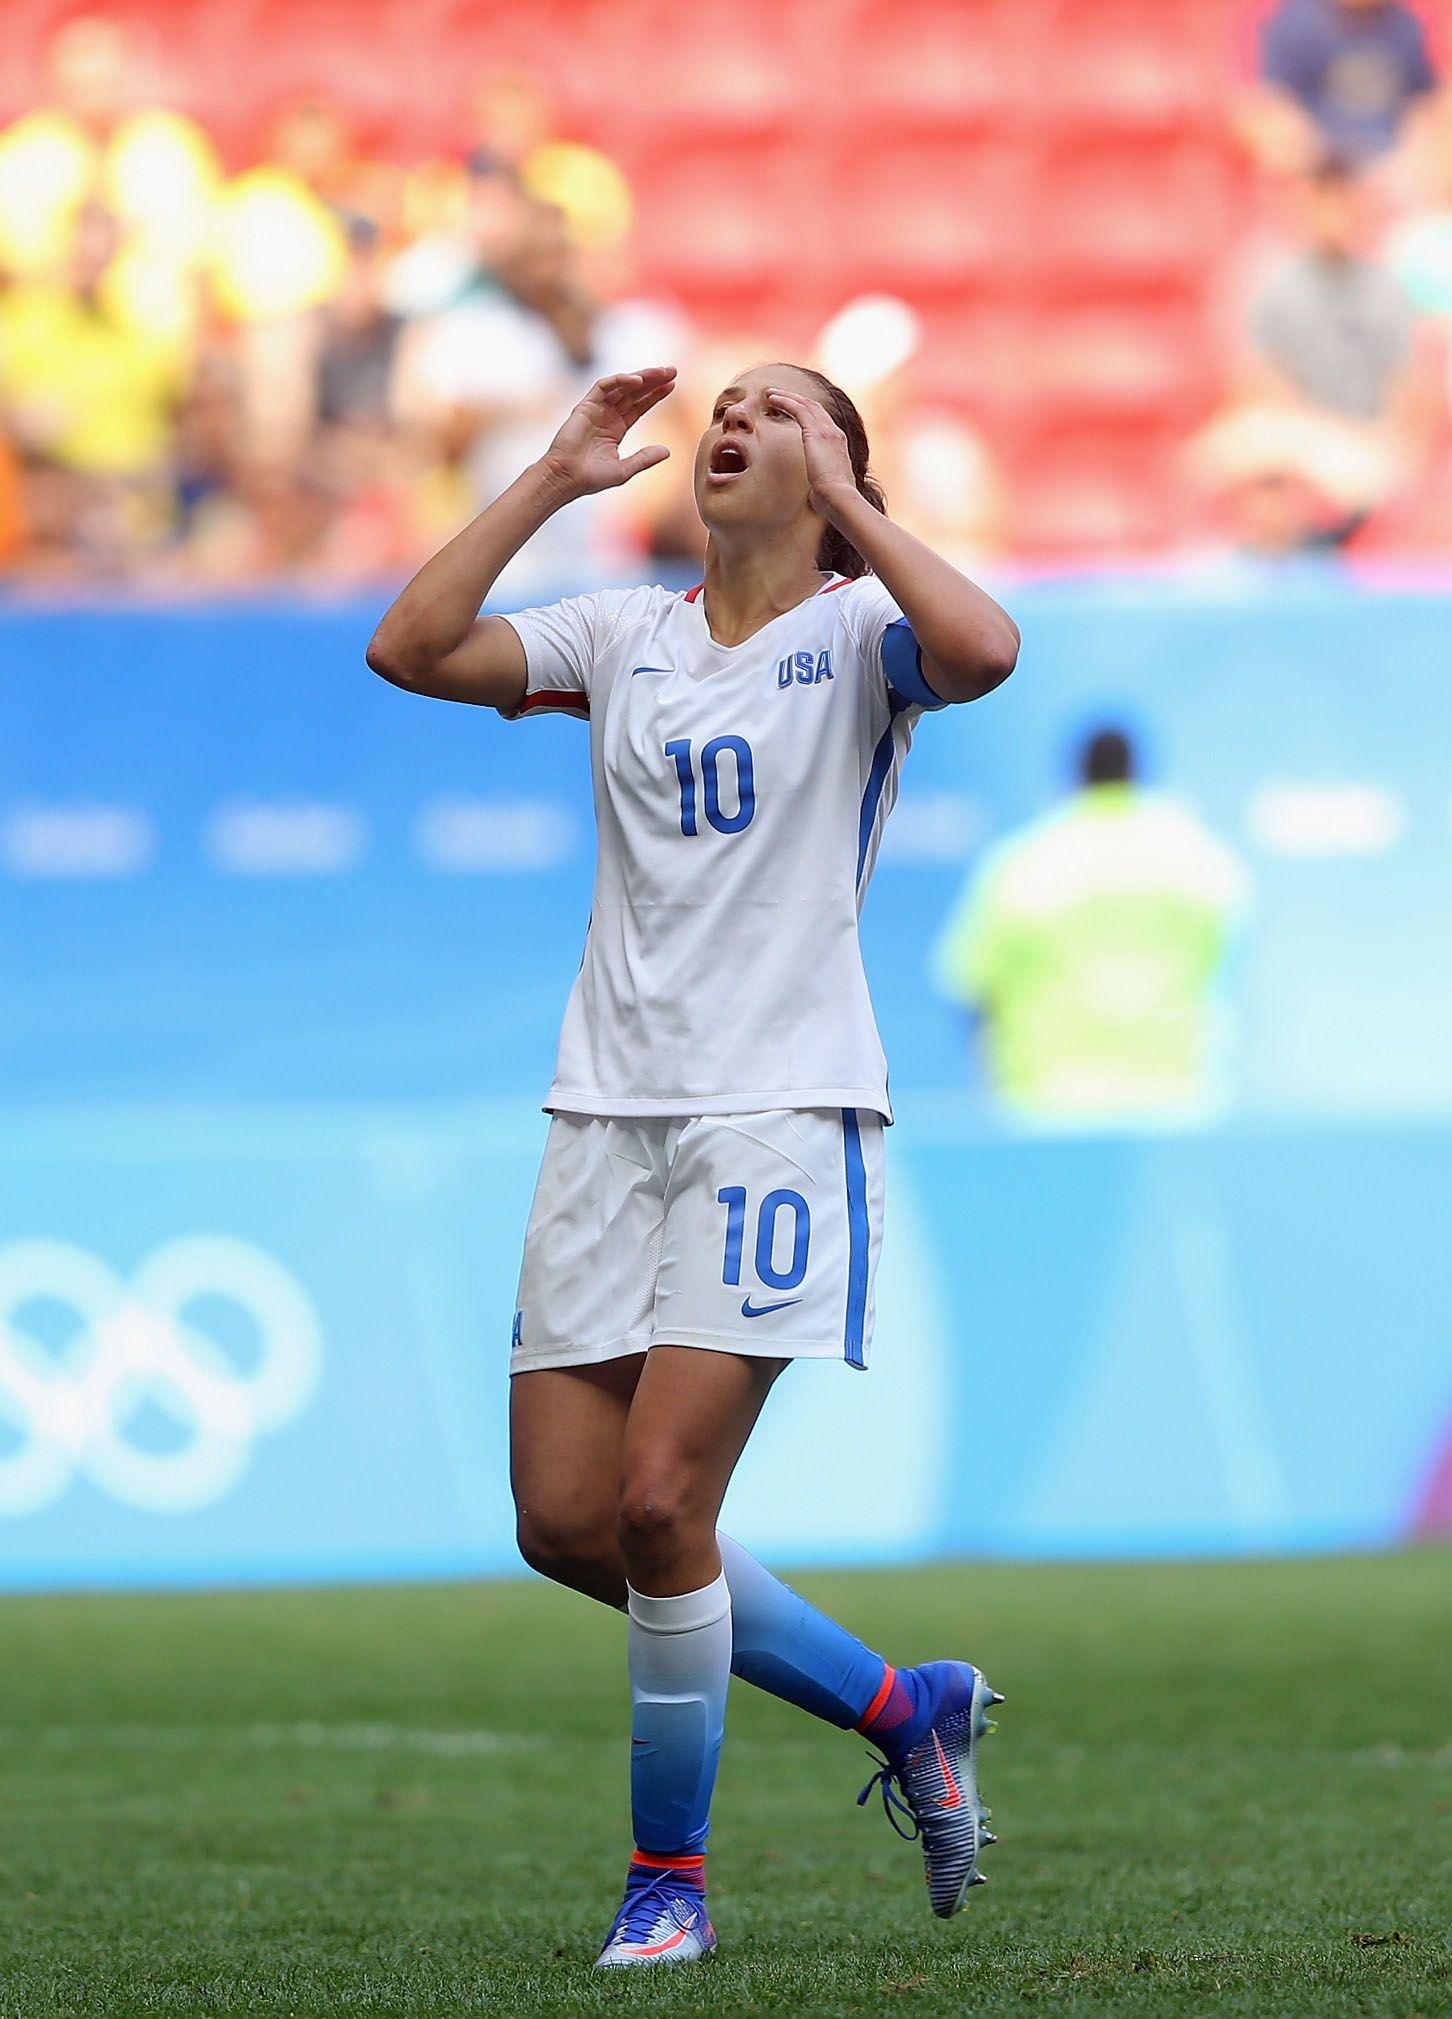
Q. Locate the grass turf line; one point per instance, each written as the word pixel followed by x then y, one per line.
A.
pixel 1221 1790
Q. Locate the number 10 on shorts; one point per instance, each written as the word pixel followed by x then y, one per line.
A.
pixel 733 1198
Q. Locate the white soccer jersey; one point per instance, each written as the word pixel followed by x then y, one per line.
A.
pixel 740 795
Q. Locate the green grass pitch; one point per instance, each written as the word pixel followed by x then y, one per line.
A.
pixel 1220 1789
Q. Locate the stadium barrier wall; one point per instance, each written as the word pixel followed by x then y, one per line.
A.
pixel 282 959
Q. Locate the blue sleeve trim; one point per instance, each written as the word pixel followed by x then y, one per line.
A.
pixel 876 778
pixel 902 667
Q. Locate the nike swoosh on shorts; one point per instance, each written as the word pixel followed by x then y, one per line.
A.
pixel 749 1310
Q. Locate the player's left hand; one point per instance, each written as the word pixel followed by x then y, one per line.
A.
pixel 829 463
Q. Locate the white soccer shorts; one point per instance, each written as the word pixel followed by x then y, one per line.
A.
pixel 754 1233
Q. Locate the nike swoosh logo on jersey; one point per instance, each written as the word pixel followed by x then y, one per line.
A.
pixel 750 1310
pixel 650 669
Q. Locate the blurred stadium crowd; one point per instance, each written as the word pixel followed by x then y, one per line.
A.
pixel 285 289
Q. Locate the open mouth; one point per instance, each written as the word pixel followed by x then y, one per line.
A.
pixel 728 460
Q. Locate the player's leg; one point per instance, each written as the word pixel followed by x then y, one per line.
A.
pixel 587 1295
pixel 582 1321
pixel 689 1421
pixel 771 1240
pixel 588 1303
pixel 567 1436
pixel 566 1439
pixel 788 1647
pixel 566 1452
pixel 773 1228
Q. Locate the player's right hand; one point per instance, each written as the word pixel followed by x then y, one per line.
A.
pixel 585 454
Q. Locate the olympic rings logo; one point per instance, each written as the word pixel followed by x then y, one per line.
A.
pixel 75 1404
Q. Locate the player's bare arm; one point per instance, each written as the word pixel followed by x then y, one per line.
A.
pixel 969 643
pixel 432 639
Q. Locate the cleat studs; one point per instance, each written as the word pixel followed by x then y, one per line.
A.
pixel 990 1724
pixel 978 1879
pixel 995 1698
pixel 987 1837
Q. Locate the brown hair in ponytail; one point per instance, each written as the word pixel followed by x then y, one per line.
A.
pixel 836 553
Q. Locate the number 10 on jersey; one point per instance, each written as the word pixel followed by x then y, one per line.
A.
pixel 710 760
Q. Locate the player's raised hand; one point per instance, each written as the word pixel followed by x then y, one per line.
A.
pixel 585 454
pixel 829 462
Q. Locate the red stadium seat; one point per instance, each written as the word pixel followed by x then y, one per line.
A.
pixel 1121 68
pixel 1150 361
pixel 1124 219
pixel 722 220
pixel 715 68
pixel 1085 495
pixel 976 359
pixel 313 48
pixel 935 218
pixel 920 66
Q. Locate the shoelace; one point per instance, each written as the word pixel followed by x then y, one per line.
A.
pixel 886 1781
pixel 641 1910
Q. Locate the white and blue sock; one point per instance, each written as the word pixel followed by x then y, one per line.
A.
pixel 786 1647
pixel 680 1666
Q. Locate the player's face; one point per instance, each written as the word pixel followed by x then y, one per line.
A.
pixel 750 466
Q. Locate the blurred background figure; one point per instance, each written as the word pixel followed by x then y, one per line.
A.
pixel 1091 945
pixel 1337 394
pixel 280 256
pixel 87 396
pixel 490 375
pixel 472 219
pixel 1330 327
pixel 1340 74
pixel 98 135
pixel 517 124
pixel 937 469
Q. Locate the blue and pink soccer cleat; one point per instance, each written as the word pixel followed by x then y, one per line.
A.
pixel 934 1783
pixel 662 1918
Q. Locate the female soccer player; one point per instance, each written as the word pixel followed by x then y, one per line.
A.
pixel 710 1202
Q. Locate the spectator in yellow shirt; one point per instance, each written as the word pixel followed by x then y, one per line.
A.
pixel 96 140
pixel 280 252
pixel 80 386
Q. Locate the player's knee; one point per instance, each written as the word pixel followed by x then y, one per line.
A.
pixel 655 1514
pixel 566 1549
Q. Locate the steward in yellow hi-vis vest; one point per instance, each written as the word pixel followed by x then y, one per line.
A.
pixel 1090 944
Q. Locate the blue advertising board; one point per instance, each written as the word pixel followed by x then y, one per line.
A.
pixel 283 954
